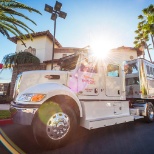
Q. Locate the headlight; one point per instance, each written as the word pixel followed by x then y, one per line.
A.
pixel 31 97
pixel 17 85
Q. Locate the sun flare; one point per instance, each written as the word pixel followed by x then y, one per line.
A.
pixel 102 47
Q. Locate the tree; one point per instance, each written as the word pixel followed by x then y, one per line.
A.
pixel 142 38
pixel 19 58
pixel 149 15
pixel 9 23
pixel 145 31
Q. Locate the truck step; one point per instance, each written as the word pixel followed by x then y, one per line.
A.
pixel 134 111
pixel 105 122
pixel 138 117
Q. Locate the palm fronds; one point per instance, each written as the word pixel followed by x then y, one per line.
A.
pixel 9 22
pixel 145 29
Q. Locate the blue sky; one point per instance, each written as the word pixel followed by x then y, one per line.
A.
pixel 110 22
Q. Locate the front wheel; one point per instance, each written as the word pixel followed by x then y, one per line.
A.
pixel 149 113
pixel 53 125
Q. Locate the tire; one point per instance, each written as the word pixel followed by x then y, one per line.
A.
pixel 53 125
pixel 149 113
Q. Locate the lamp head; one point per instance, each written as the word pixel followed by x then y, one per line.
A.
pixel 48 8
pixel 58 6
pixel 54 16
pixel 62 14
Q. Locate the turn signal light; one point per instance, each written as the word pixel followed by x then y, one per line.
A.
pixel 37 97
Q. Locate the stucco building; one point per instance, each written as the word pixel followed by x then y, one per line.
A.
pixel 42 47
pixel 127 53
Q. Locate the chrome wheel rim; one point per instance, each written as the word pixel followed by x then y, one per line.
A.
pixel 151 113
pixel 58 126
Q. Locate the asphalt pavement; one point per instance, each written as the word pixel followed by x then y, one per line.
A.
pixel 129 138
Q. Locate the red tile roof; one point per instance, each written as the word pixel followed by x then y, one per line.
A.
pixel 47 33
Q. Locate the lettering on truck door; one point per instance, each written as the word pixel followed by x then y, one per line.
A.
pixel 88 78
pixel 113 81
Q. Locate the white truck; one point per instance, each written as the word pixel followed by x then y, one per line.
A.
pixel 87 91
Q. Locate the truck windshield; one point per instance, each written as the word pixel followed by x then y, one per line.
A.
pixel 68 62
pixel 131 68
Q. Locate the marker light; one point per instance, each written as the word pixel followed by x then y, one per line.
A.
pixel 37 97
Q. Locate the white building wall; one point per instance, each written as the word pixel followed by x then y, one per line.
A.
pixel 48 49
pixel 124 55
pixel 38 43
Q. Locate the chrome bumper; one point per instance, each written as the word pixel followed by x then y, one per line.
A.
pixel 22 115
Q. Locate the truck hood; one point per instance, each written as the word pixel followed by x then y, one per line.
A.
pixel 32 78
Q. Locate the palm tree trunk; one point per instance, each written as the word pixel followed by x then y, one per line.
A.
pixel 152 40
pixel 148 52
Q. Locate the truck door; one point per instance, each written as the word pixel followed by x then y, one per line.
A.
pixel 113 81
pixel 88 78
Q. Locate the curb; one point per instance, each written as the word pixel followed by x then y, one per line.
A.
pixel 6 121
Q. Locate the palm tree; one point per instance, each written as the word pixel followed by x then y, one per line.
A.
pixel 9 23
pixel 142 38
pixel 19 58
pixel 145 29
pixel 149 14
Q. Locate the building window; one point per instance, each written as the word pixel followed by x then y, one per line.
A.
pixel 31 50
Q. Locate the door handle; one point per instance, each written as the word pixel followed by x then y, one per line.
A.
pixel 96 90
pixel 119 92
pixel 80 92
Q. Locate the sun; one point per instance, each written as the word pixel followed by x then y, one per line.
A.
pixel 101 47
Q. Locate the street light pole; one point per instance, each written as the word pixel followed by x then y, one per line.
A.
pixel 55 13
pixel 53 50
